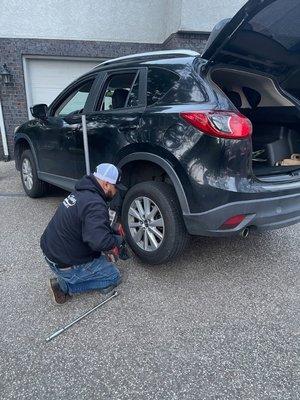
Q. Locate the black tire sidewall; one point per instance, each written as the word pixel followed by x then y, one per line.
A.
pixel 165 198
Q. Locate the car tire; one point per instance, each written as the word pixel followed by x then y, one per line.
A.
pixel 165 228
pixel 32 185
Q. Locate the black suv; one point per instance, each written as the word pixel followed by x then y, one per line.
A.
pixel 178 125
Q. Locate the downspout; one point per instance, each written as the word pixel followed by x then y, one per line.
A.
pixel 3 135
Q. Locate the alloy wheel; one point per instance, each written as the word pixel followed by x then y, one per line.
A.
pixel 27 173
pixel 146 224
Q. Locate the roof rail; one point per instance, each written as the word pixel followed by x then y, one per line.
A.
pixel 182 52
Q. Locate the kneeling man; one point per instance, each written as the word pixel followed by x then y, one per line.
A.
pixel 79 233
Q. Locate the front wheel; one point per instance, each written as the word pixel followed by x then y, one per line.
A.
pixel 32 185
pixel 153 222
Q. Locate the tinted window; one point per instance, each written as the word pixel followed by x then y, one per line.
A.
pixel 133 99
pixel 75 102
pixel 121 90
pixel 159 82
pixel 279 21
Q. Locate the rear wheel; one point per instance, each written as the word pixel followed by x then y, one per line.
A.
pixel 32 185
pixel 153 222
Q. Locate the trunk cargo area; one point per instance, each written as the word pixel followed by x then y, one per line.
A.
pixel 275 119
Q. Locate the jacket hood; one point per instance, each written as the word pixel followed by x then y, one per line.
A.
pixel 89 182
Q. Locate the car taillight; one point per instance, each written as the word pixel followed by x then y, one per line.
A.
pixel 223 124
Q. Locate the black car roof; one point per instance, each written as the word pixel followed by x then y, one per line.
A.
pixel 140 58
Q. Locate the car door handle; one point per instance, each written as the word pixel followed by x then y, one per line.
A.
pixel 77 128
pixel 73 131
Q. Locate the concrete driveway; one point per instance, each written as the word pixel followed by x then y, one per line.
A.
pixel 221 322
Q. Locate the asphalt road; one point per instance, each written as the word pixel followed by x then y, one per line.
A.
pixel 221 322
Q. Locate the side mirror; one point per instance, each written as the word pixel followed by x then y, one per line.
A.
pixel 39 111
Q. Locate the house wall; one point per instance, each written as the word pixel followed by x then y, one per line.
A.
pixel 146 21
pixel 197 15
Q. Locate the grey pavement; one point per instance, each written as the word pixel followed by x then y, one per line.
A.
pixel 220 322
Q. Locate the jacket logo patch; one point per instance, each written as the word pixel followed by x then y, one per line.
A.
pixel 69 201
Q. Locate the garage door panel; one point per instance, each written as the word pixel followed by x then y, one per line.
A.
pixel 46 78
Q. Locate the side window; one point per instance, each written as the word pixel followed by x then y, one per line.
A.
pixel 133 98
pixel 120 91
pixel 159 82
pixel 74 103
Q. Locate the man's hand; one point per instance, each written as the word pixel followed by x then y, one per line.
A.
pixel 118 229
pixel 113 254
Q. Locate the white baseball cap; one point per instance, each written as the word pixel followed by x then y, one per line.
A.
pixel 111 174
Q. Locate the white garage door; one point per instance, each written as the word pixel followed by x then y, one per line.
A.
pixel 46 78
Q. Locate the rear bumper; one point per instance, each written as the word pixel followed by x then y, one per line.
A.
pixel 262 214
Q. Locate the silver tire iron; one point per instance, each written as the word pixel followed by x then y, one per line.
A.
pixel 80 317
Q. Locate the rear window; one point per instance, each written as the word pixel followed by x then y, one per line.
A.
pixel 159 82
pixel 280 22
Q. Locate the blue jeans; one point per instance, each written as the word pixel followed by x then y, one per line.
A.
pixel 97 274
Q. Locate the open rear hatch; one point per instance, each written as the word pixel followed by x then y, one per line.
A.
pixel 255 59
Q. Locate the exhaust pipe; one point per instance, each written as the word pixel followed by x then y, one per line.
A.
pixel 245 233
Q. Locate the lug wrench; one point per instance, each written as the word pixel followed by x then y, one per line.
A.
pixel 80 317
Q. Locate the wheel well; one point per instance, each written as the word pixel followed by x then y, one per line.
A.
pixel 140 171
pixel 20 146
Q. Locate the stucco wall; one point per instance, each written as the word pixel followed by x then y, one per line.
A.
pixel 105 20
pixel 141 21
pixel 202 15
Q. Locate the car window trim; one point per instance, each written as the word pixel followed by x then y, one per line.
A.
pixel 140 72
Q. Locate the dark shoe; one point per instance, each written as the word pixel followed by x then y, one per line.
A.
pixel 58 295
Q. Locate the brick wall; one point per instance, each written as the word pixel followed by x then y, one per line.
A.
pixel 13 96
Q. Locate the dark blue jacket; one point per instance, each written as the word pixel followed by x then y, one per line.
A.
pixel 80 229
